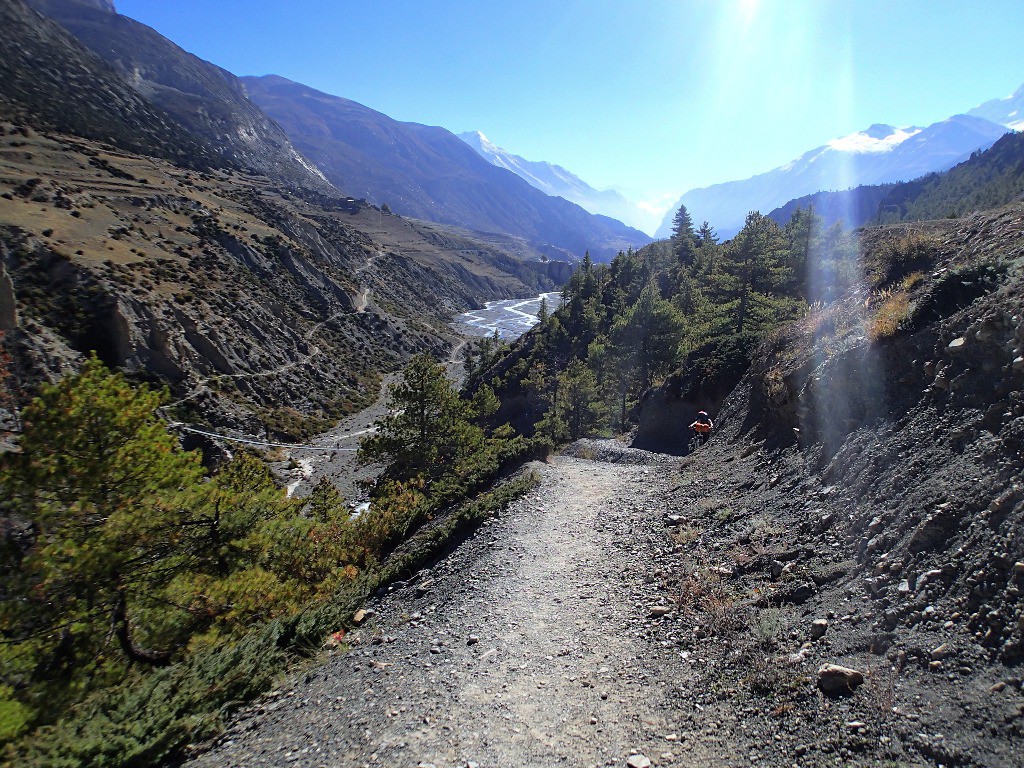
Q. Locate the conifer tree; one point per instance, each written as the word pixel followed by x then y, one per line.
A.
pixel 106 485
pixel 684 240
pixel 427 429
pixel 579 404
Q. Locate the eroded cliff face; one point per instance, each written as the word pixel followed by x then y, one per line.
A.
pixel 259 308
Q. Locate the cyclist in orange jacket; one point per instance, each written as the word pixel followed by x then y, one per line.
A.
pixel 702 426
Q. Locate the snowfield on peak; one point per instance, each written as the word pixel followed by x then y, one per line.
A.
pixel 863 141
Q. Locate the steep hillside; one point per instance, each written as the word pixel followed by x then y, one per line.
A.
pixel 853 207
pixel 259 308
pixel 987 179
pixel 861 505
pixel 49 79
pixel 209 101
pixel 879 155
pixel 428 173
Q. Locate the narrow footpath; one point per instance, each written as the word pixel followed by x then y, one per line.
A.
pixel 530 646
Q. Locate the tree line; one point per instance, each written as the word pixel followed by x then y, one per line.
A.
pixel 623 326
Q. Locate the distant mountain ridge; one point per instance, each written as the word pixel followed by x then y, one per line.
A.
pixel 987 179
pixel 427 172
pixel 557 181
pixel 206 99
pixel 1008 111
pixel 881 154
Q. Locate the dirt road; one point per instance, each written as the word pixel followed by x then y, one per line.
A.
pixel 531 645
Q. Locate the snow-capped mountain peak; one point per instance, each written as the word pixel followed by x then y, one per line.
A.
pixel 556 181
pixel 877 155
pixel 877 138
pixel 1008 111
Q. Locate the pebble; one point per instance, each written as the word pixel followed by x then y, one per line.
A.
pixel 941 652
pixel 638 761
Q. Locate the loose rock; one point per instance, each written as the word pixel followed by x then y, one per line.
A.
pixel 836 680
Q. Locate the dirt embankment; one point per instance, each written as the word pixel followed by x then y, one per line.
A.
pixel 863 505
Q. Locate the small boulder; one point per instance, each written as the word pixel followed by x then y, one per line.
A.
pixel 658 611
pixel 818 628
pixel 638 761
pixel 836 680
pixel 957 345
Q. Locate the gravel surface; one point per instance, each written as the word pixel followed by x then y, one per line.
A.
pixel 528 646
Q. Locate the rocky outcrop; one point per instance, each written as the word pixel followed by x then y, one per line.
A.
pixel 8 303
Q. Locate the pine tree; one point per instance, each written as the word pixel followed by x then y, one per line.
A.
pixel 643 345
pixel 427 430
pixel 684 240
pixel 106 485
pixel 579 403
pixel 707 235
pixel 753 263
pixel 542 311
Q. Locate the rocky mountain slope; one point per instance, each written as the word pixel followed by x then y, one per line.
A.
pixel 879 155
pixel 259 308
pixel 429 173
pixel 49 79
pixel 265 305
pixel 557 181
pixel 209 101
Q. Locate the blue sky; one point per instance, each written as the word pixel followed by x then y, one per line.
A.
pixel 655 97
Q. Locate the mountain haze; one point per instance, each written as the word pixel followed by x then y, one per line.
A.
pixel 429 173
pixel 556 180
pixel 881 154
pixel 986 180
pixel 1008 111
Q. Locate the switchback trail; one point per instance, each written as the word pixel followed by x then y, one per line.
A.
pixel 531 645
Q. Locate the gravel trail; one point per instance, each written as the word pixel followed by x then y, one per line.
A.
pixel 530 645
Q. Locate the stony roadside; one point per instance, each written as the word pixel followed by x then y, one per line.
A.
pixel 637 609
pixel 532 645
